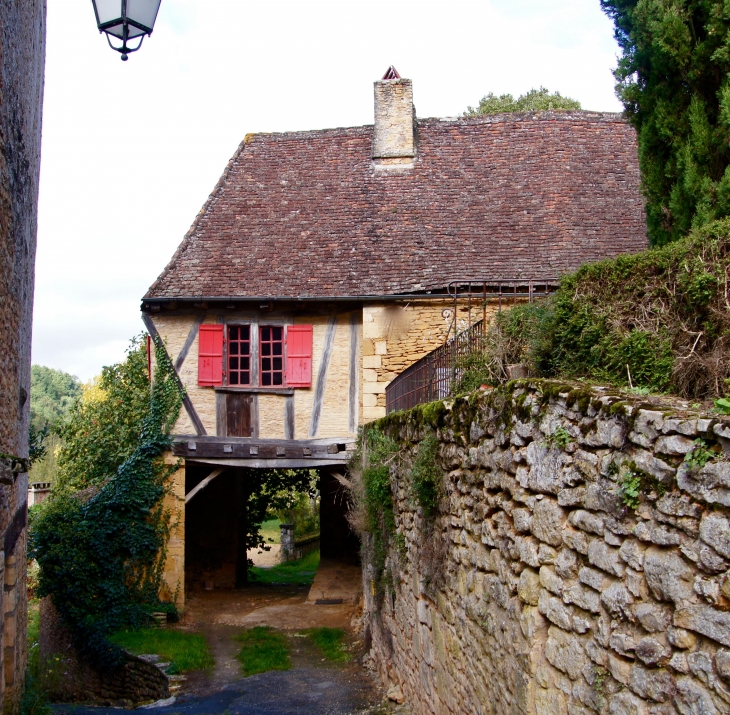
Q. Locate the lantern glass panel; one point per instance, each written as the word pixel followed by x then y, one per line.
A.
pixel 143 12
pixel 108 10
pixel 116 30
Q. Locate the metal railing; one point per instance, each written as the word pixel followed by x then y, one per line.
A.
pixel 434 375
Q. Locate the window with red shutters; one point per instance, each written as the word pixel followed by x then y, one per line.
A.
pixel 271 356
pixel 299 356
pixel 239 355
pixel 210 355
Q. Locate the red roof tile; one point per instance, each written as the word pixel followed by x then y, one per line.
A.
pixel 305 214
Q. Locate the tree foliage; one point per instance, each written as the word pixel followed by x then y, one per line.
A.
pixel 536 100
pixel 674 81
pixel 101 550
pixel 103 427
pixel 52 394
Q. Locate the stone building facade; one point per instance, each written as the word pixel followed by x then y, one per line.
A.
pixel 579 561
pixel 22 56
pixel 336 255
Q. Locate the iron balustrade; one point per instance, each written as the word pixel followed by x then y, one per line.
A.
pixel 434 375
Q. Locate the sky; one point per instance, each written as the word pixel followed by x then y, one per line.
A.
pixel 132 149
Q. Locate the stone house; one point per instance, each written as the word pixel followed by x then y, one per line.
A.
pixel 325 262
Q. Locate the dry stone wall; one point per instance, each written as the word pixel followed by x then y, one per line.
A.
pixel 536 588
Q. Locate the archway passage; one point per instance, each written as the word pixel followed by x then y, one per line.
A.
pixel 215 527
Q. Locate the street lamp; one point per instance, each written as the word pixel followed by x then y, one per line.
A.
pixel 126 20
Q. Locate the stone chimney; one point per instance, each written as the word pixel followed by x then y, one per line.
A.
pixel 393 139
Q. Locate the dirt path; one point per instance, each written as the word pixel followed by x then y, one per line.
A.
pixel 312 687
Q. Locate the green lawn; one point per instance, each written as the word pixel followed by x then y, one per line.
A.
pixel 298 573
pixel 331 641
pixel 262 649
pixel 186 651
pixel 270 530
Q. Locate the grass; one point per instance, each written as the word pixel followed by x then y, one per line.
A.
pixel 271 532
pixel 330 641
pixel 296 573
pixel 35 697
pixel 186 651
pixel 262 649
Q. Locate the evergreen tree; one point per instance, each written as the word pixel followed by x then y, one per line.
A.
pixel 674 82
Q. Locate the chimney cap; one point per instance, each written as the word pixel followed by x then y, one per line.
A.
pixel 392 73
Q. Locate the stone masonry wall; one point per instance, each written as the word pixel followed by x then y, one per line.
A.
pixel 536 589
pixel 22 56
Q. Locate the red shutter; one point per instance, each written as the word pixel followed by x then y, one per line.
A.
pixel 210 355
pixel 299 356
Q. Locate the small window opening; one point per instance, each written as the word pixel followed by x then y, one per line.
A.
pixel 271 348
pixel 239 355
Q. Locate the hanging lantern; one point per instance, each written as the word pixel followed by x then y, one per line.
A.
pixel 126 20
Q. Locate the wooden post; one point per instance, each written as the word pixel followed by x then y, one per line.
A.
pixel 242 496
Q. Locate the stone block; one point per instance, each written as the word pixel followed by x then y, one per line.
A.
pixel 586 521
pixel 625 703
pixel 576 540
pixel 649 423
pixel 555 610
pixel 652 651
pixel 706 620
pixel 710 484
pixel 674 445
pixel 582 597
pixel 691 697
pixel 565 652
pixel 632 552
pixel 370 375
pixel 548 520
pixel 668 575
pixel 657 468
pixel 654 617
pixel 658 685
pixel 607 433
pixel 373 413
pixel 548 471
pixel 381 347
pixel 681 638
pixel 722 663
pixel 528 588
pixel 715 531
pixel 606 557
pixel 567 563
pixel 617 599
pixel 551 581
pixel 593 578
pixel 372 361
pixel 376 388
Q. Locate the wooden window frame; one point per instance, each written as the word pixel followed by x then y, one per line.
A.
pixel 255 357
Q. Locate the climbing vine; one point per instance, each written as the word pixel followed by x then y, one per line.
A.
pixel 101 550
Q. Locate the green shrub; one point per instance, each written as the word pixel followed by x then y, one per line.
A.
pixel 657 320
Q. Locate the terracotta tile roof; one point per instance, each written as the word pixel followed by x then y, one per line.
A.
pixel 304 214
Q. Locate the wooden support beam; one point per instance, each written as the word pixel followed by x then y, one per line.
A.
pixel 329 341
pixel 215 473
pixel 251 448
pixel 180 359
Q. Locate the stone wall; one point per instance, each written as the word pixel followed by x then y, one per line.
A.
pixel 68 678
pixel 22 55
pixel 536 589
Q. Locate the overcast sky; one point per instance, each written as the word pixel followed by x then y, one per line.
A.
pixel 131 150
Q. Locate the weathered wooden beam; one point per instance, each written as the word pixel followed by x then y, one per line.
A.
pixel 271 463
pixel 180 359
pixel 227 448
pixel 204 483
pixel 329 341
pixel 187 403
pixel 354 397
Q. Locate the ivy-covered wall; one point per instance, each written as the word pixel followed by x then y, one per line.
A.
pixel 549 548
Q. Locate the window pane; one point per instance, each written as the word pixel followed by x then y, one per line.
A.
pixel 246 332
pixel 233 378
pixel 277 378
pixel 266 379
pixel 266 348
pixel 278 348
pixel 233 333
pixel 277 333
pixel 245 378
pixel 233 347
pixel 245 363
pixel 233 363
pixel 265 333
pixel 266 364
pixel 277 364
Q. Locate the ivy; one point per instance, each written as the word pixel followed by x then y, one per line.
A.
pixel 101 550
pixel 427 476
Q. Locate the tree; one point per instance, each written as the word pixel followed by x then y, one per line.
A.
pixel 52 393
pixel 536 100
pixel 673 79
pixel 103 427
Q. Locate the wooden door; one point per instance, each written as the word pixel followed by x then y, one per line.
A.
pixel 238 414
